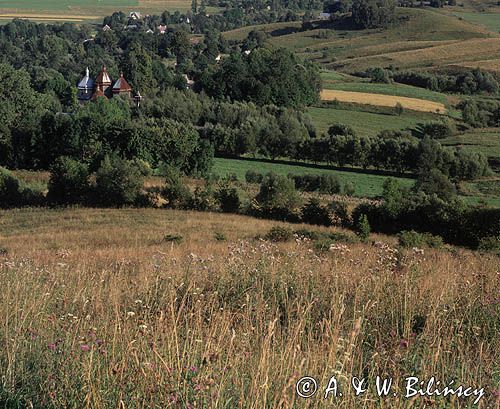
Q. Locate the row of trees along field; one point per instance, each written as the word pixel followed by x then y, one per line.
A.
pixel 431 206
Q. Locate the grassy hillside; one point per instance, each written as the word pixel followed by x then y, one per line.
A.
pixel 366 123
pixel 346 83
pixel 99 308
pixel 423 38
pixel 365 184
pixel 490 20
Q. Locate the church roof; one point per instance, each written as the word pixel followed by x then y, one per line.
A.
pixel 121 85
pixel 86 82
pixel 103 78
pixel 98 93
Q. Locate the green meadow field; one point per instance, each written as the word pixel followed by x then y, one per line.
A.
pixel 366 123
pixel 491 20
pixel 365 184
pixel 399 90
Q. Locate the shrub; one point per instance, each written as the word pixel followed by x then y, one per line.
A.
pixel 118 182
pixel 14 193
pixel 436 183
pixel 412 238
pixel 10 189
pixel 202 199
pixel 349 189
pixel 308 234
pixel 437 129
pixel 69 182
pixel 277 192
pixel 175 192
pixel 228 198
pixel 279 234
pixel 173 238
pixel 340 214
pixel 398 109
pixel 363 228
pixel 219 236
pixel 327 183
pixel 253 177
pixel 379 75
pixel 341 130
pixel 314 213
pixel 490 243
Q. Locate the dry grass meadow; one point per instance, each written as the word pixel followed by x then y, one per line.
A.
pixel 382 100
pixel 100 311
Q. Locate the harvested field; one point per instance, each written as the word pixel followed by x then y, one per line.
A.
pixel 489 65
pixel 382 100
pixel 471 52
pixel 80 10
pixel 47 17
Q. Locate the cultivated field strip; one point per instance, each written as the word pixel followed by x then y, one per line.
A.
pixel 382 100
pixel 472 52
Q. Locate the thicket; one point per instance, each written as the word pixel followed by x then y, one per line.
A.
pixel 481 113
pixel 453 220
pixel 426 208
pixel 401 154
pixel 468 82
pixel 15 193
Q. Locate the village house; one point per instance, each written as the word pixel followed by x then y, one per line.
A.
pixel 135 15
pixel 325 16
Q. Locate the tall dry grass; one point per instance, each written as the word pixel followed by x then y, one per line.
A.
pixel 99 311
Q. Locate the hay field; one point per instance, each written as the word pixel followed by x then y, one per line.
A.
pixel 468 52
pixel 395 89
pixel 100 311
pixel 82 10
pixel 382 100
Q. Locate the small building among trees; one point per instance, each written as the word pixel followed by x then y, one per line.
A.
pixel 103 86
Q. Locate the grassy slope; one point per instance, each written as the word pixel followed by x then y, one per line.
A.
pixel 486 141
pixel 490 20
pixel 366 185
pixel 411 44
pixel 98 308
pixel 399 90
pixel 366 123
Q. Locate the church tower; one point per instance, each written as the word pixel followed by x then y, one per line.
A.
pixel 122 87
pixel 103 82
pixel 85 88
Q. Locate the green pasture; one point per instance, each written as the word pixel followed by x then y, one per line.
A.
pixel 366 123
pixel 365 184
